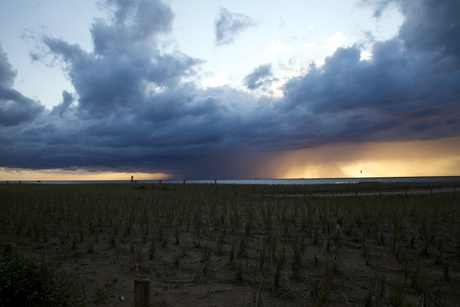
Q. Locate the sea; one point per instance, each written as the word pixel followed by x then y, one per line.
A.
pixel 254 181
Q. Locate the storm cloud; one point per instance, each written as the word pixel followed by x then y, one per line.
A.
pixel 136 108
pixel 15 108
pixel 228 25
pixel 259 77
pixel 429 25
pixel 61 108
pixel 376 100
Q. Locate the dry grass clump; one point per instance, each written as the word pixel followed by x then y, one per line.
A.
pixel 223 244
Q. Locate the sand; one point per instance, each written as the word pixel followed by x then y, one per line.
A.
pixel 211 246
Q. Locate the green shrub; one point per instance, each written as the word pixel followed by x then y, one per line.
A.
pixel 27 282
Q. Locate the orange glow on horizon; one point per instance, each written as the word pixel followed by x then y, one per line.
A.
pixel 386 159
pixel 34 175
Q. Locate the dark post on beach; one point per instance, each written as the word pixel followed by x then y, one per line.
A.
pixel 141 292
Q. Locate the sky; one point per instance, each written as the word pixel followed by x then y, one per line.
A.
pixel 220 89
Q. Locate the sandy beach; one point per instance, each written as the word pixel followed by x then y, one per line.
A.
pixel 215 245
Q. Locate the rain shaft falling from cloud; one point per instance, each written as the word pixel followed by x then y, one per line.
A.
pixel 136 107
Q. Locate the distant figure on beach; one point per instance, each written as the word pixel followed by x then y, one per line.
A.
pixel 132 179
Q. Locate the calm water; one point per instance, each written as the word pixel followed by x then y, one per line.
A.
pixel 256 180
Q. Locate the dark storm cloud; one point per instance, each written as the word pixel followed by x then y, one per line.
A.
pixel 228 25
pixel 15 108
pixel 429 25
pixel 386 90
pixel 7 72
pixel 346 83
pixel 126 65
pixel 132 22
pixel 135 109
pixel 67 100
pixel 120 79
pixel 132 109
pixel 259 77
